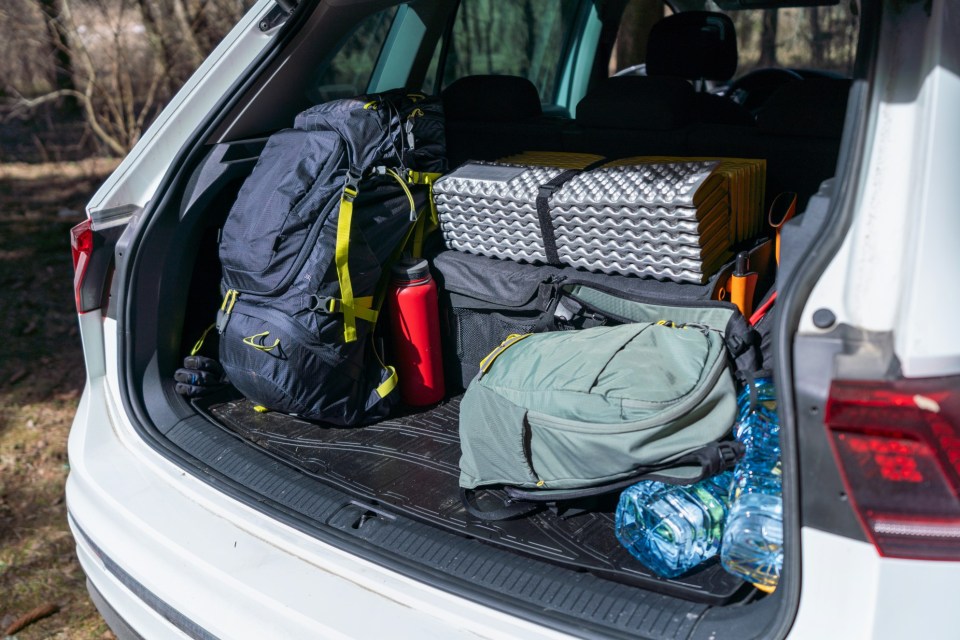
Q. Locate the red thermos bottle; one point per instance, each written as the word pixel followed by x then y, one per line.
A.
pixel 416 332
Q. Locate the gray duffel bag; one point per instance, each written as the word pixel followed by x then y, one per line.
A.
pixel 563 415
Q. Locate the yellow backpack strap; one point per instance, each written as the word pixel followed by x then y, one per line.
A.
pixel 363 307
pixel 427 178
pixel 352 307
pixel 423 177
pixel 403 185
pixel 226 307
pixel 389 384
pixel 346 303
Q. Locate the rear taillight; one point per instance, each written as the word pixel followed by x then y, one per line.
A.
pixel 81 242
pixel 898 448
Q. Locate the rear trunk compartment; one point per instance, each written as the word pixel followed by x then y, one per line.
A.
pixel 409 464
pixel 388 491
pixel 394 484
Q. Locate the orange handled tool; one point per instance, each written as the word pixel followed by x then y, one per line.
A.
pixel 783 207
pixel 742 284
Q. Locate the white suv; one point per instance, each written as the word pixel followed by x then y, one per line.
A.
pixel 191 522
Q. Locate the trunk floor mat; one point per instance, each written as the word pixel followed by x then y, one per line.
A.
pixel 409 464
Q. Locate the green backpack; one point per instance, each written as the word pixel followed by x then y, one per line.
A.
pixel 565 415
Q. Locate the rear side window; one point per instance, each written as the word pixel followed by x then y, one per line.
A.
pixel 801 38
pixel 523 38
pixel 348 72
pixel 821 38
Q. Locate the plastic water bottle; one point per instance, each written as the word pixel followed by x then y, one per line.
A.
pixel 753 533
pixel 672 528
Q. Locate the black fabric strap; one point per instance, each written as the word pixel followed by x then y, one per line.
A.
pixel 743 344
pixel 543 208
pixel 712 459
pixel 509 510
pixel 549 294
pixel 747 379
pixel 543 214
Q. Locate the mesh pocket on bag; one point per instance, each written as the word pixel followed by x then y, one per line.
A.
pixel 476 333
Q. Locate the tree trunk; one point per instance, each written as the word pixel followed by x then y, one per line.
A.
pixel 768 39
pixel 530 22
pixel 488 39
pixel 638 18
pixel 58 38
pixel 202 27
pixel 168 25
pixel 816 38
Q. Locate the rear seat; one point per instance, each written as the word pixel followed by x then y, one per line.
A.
pixel 633 115
pixel 797 131
pixel 652 115
pixel 801 126
pixel 698 46
pixel 490 117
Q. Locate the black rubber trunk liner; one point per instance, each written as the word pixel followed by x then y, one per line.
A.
pixel 409 464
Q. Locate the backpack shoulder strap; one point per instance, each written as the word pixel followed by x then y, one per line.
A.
pixel 509 510
pixel 710 460
pixel 365 307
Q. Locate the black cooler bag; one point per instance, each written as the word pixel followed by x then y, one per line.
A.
pixel 484 300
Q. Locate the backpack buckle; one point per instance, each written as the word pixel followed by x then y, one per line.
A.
pixel 730 453
pixel 545 191
pixel 351 185
pixel 324 304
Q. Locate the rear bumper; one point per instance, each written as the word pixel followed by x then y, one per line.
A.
pixel 173 557
pixel 170 556
pixel 121 629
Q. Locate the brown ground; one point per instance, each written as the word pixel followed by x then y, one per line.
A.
pixel 41 377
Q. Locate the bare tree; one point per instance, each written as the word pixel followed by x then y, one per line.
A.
pixel 116 93
pixel 818 39
pixel 638 18
pixel 210 20
pixel 115 61
pixel 59 41
pixel 768 39
pixel 24 47
pixel 167 22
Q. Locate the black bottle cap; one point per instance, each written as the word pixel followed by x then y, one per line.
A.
pixel 410 270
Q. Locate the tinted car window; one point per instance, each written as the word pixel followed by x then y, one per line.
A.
pixel 823 38
pixel 348 72
pixel 522 38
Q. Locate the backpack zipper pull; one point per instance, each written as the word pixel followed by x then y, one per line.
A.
pixel 223 315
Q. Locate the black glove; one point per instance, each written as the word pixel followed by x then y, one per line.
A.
pixel 199 376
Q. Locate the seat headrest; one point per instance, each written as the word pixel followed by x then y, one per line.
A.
pixel 638 103
pixel 814 107
pixel 693 45
pixel 491 99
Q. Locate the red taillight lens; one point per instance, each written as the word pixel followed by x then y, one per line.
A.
pixel 81 242
pixel 898 448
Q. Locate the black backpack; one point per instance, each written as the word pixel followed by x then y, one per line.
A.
pixel 329 204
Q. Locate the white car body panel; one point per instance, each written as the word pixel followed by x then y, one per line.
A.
pixel 850 592
pixel 232 570
pixel 238 573
pixel 895 272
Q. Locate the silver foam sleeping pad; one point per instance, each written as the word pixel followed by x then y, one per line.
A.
pixel 481 199
pixel 668 221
